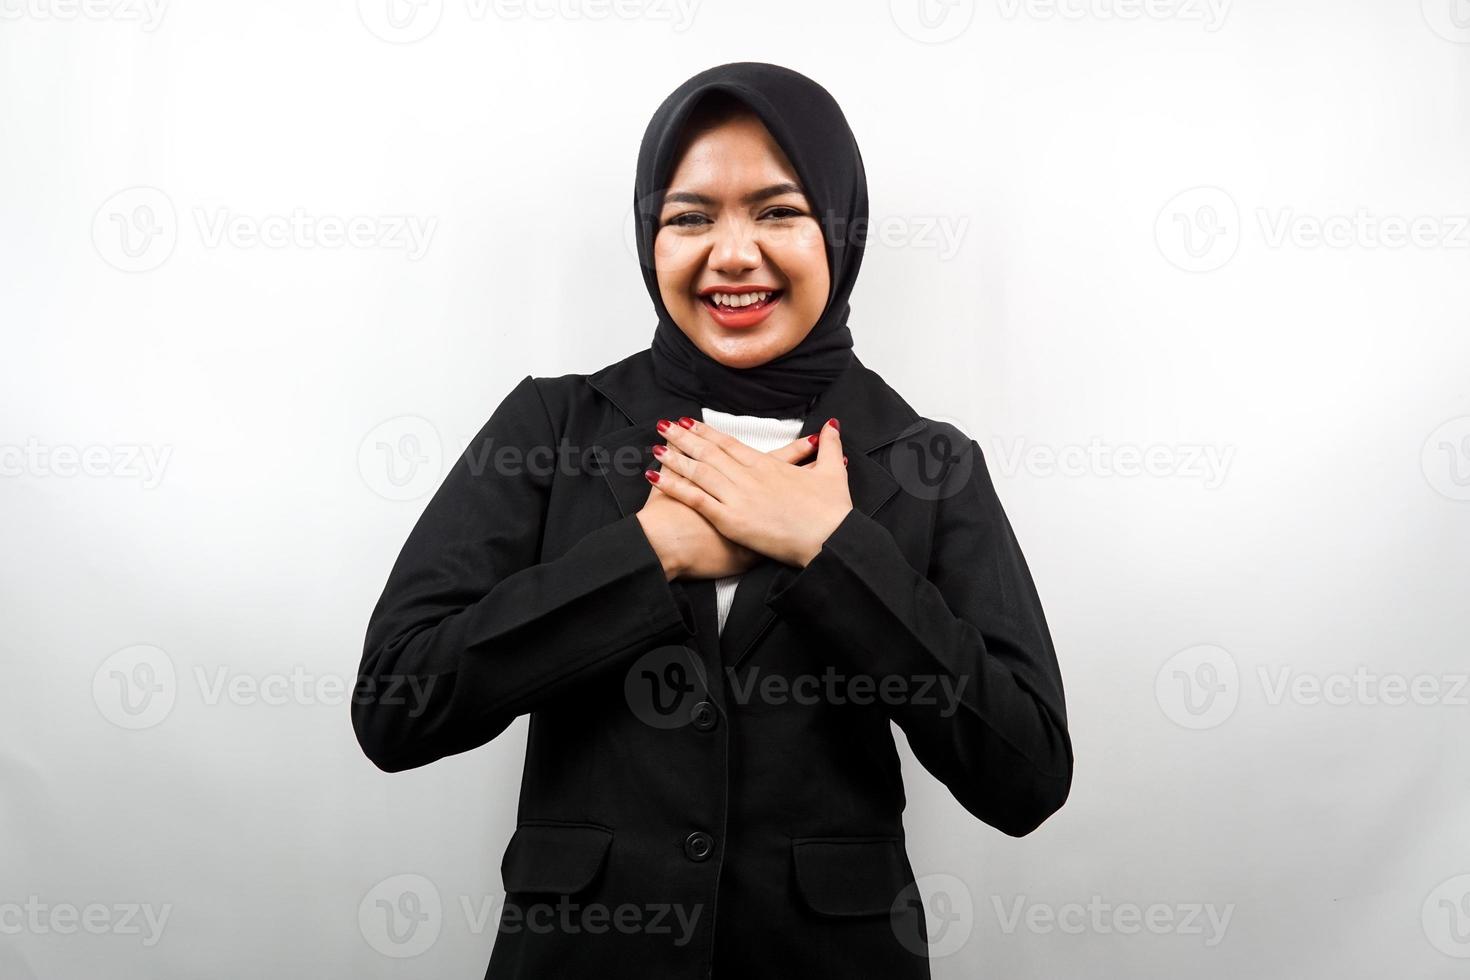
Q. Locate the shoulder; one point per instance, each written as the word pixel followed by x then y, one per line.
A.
pixel 582 396
pixel 936 457
pixel 899 417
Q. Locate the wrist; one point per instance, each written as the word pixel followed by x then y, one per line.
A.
pixel 673 566
pixel 812 548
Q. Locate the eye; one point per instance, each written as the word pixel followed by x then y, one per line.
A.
pixel 689 219
pixel 781 211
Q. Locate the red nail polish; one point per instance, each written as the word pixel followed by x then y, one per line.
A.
pixel 834 424
pixel 663 425
pixel 658 451
pixel 652 475
pixel 686 421
pixel 812 439
pixel 844 461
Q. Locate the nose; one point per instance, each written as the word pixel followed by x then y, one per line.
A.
pixel 735 249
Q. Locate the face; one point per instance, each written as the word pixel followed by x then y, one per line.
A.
pixel 735 225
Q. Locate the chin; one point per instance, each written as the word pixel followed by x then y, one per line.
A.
pixel 746 351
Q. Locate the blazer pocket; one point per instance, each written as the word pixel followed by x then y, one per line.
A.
pixel 561 859
pixel 849 876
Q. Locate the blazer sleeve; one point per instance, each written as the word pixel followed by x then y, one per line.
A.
pixel 472 629
pixel 972 625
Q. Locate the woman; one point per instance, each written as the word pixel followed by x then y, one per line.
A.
pixel 712 634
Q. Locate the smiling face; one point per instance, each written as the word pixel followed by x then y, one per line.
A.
pixel 741 264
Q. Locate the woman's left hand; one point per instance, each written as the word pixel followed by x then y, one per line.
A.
pixel 782 510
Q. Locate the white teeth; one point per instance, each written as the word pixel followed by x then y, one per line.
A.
pixel 738 300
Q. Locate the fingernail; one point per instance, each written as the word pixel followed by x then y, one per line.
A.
pixel 833 424
pixel 813 439
pixel 663 425
pixel 658 451
pixel 652 475
pixel 686 421
pixel 844 461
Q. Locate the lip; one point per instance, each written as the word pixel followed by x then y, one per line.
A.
pixel 744 317
pixel 737 290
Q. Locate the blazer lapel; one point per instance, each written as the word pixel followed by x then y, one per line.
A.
pixel 625 451
pixel 872 416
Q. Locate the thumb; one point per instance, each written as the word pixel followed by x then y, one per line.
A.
pixel 795 451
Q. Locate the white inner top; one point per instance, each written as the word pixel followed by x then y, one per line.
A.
pixel 759 433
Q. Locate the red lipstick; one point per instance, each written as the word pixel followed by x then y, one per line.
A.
pixel 740 317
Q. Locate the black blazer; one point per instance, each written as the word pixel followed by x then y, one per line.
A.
pixel 698 804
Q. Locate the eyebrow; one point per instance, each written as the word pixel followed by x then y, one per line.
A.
pixel 689 197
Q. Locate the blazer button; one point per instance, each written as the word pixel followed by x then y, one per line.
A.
pixel 704 716
pixel 698 846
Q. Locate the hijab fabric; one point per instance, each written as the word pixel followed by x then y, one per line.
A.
pixel 809 126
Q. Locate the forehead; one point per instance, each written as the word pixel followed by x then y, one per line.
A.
pixel 738 149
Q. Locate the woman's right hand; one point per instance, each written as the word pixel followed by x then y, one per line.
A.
pixel 688 546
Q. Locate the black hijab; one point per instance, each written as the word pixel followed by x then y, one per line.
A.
pixel 809 126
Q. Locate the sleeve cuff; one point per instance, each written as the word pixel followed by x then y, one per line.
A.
pixel 669 609
pixel 820 582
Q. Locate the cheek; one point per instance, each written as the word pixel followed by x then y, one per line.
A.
pixel 807 269
pixel 673 264
pixel 801 254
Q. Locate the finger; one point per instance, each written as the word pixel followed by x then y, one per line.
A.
pixel 696 444
pixel 682 490
pixel 725 443
pixel 698 472
pixel 829 447
pixel 796 450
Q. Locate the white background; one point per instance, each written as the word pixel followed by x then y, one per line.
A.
pixel 1228 240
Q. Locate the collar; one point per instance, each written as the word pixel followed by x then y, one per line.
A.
pixel 873 414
